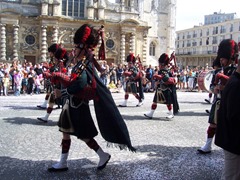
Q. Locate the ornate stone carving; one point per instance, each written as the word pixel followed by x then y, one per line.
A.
pixel 3 41
pixel 15 41
pixel 44 44
pixel 32 30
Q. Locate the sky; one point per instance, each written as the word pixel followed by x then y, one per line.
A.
pixel 191 12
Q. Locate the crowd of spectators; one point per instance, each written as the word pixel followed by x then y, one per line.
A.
pixel 26 78
pixel 20 78
pixel 186 78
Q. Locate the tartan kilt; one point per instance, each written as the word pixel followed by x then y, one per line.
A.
pixel 212 119
pixel 131 87
pixel 163 96
pixel 64 122
pixel 75 119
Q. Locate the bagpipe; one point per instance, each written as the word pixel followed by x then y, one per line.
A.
pixel 172 65
pixel 139 67
pixel 88 63
pixel 132 74
pixel 173 62
pixel 221 79
pixel 56 73
pixel 89 91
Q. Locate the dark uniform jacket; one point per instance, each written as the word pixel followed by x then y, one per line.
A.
pixel 110 122
pixel 228 126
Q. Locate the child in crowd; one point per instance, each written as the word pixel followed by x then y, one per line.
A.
pixel 17 82
pixel 37 84
pixel 30 83
pixel 6 83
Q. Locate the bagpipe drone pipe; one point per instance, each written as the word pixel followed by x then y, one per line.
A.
pixel 89 91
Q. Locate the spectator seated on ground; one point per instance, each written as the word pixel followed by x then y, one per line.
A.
pixel 147 85
pixel 119 86
pixel 112 87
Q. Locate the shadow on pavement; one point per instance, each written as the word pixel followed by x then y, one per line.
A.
pixel 150 162
pixel 19 108
pixel 22 120
pixel 163 117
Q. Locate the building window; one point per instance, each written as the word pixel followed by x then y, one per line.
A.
pixel 110 44
pixel 30 39
pixel 215 48
pixel 207 41
pixel 73 8
pixel 222 30
pixel 231 28
pixel 207 33
pixel 214 41
pixel 152 49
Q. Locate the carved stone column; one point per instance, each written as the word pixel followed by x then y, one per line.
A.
pixel 55 34
pixel 44 43
pixel 122 48
pixel 144 52
pixel 3 42
pixel 132 43
pixel 15 41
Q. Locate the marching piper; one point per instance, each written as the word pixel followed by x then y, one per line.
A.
pixel 166 89
pixel 133 82
pixel 226 55
pixel 83 86
pixel 61 57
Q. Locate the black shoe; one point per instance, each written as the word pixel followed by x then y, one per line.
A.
pixel 139 104
pixel 207 111
pixel 52 169
pixel 122 105
pixel 207 101
pixel 104 165
pixel 40 119
pixel 203 152
pixel 147 116
pixel 39 106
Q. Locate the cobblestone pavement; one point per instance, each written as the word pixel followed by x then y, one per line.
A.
pixel 165 149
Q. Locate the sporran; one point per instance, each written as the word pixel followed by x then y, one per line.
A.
pixel 64 122
pixel 160 96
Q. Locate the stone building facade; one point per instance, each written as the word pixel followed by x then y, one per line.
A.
pixel 144 27
pixel 198 46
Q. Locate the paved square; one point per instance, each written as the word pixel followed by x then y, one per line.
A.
pixel 165 149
